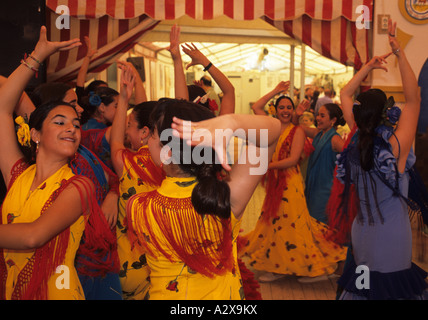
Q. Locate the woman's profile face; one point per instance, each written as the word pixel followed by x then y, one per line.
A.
pixel 71 98
pixel 155 147
pixel 110 109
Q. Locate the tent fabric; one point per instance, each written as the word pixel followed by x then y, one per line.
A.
pixel 110 37
pixel 210 9
pixel 114 26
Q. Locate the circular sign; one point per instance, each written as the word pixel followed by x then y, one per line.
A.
pixel 415 11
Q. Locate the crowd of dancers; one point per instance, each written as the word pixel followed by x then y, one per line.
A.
pixel 113 193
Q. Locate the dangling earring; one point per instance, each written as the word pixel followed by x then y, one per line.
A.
pixel 37 147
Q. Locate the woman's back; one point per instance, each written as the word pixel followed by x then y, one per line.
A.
pixel 190 255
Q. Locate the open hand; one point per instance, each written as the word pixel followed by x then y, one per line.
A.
pixel 379 61
pixel 214 133
pixel 127 82
pixel 174 41
pixel 45 48
pixel 196 55
pixel 302 107
pixel 282 87
pixel 91 52
pixel 392 36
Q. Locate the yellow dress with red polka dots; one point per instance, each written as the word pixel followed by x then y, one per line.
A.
pixel 292 242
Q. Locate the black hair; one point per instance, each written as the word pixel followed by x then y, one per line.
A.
pixel 334 111
pixel 48 92
pixel 93 100
pixel 210 195
pixel 206 81
pixel 315 97
pixel 281 98
pixel 94 85
pixel 196 91
pixel 142 113
pixel 368 116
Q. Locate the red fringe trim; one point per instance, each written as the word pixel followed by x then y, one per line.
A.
pixel 342 208
pixel 98 249
pixel 203 243
pixel 275 181
pixel 250 284
pixel 32 280
pixel 144 167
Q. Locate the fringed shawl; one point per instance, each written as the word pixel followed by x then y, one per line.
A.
pixel 275 181
pixel 144 167
pixel 89 260
pixel 343 204
pixel 170 227
pixel 33 278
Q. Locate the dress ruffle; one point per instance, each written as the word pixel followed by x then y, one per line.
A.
pixel 408 284
pixel 384 159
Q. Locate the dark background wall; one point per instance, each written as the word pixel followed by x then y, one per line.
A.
pixel 20 22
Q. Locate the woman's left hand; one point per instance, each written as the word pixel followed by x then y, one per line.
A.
pixel 45 48
pixel 196 55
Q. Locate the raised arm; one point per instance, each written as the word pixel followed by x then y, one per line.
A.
pixel 262 134
pixel 24 106
pixel 81 76
pixel 118 127
pixel 348 91
pixel 407 124
pixel 180 86
pixel 11 92
pixel 228 101
pixel 259 105
pixel 139 89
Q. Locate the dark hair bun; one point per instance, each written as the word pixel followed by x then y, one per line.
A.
pixel 211 195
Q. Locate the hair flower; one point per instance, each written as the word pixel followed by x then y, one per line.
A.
pixel 94 99
pixel 23 132
pixel 391 113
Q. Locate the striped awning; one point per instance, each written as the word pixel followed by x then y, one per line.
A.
pixel 114 26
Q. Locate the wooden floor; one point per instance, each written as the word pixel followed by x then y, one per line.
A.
pixel 289 288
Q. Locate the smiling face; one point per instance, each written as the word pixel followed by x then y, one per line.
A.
pixel 324 122
pixel 284 111
pixel 60 133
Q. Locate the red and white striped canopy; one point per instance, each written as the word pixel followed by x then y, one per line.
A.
pixel 210 9
pixel 114 26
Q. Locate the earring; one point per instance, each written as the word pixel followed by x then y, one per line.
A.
pixel 37 147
